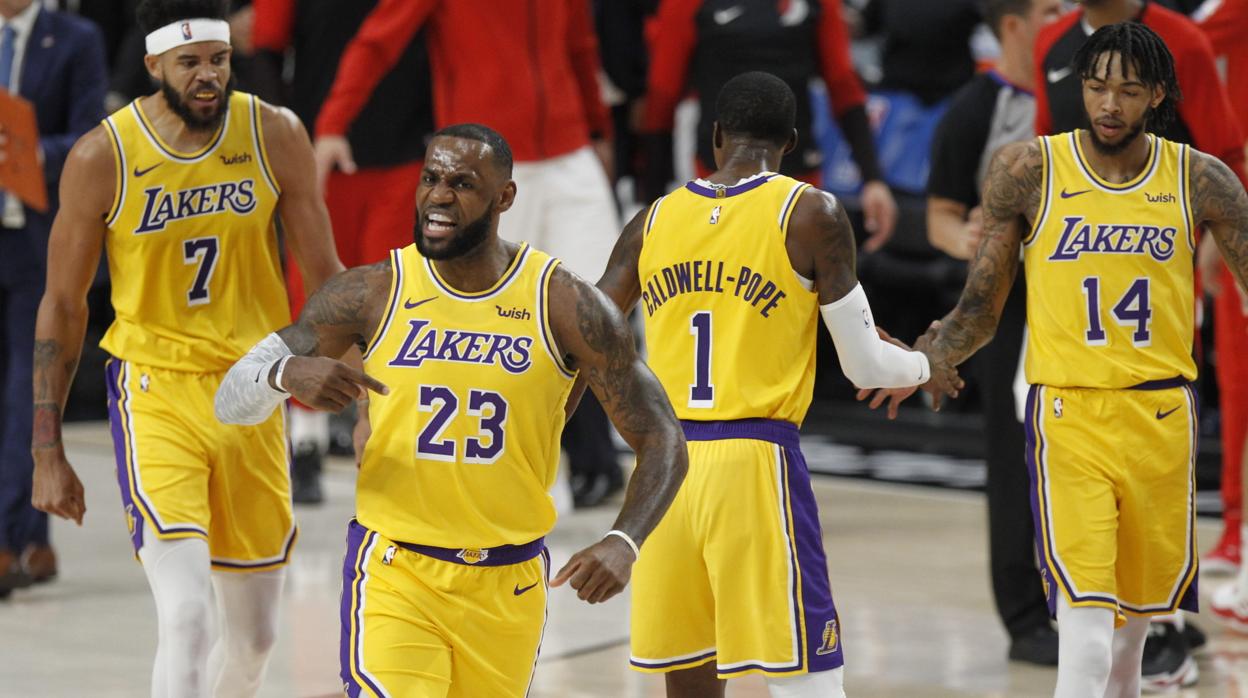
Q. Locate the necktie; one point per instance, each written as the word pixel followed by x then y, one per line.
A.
pixel 8 41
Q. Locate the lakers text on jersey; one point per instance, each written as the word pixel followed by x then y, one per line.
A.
pixel 192 255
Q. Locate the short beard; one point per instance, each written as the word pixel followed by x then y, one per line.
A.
pixel 192 120
pixel 1112 149
pixel 468 239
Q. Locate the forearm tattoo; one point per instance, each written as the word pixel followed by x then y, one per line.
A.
pixel 1219 202
pixel 52 375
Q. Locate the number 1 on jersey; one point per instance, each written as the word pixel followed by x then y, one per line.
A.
pixel 702 391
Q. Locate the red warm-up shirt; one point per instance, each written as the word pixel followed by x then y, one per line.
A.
pixel 527 68
pixel 1225 22
pixel 1205 109
pixel 674 36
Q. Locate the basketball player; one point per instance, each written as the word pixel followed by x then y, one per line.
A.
pixel 733 272
pixel 1106 219
pixel 471 346
pixel 181 187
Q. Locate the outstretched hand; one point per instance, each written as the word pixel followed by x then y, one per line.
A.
pixel 944 380
pixel 327 384
pixel 598 572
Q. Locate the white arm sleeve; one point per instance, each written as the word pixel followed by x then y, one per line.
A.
pixel 245 396
pixel 867 360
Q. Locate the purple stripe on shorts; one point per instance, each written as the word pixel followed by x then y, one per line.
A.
pixel 134 513
pixel 1037 483
pixel 775 431
pixel 824 647
pixel 675 662
pixel 1190 600
pixel 353 588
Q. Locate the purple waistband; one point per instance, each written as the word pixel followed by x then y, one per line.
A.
pixel 773 430
pixel 1164 384
pixel 481 557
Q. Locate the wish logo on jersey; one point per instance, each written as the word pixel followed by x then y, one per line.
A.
pixel 427 343
pixel 1080 238
pixel 161 208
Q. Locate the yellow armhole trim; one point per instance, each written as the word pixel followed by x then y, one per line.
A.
pixel 1046 176
pixel 392 302
pixel 119 160
pixel 257 127
pixel 651 216
pixel 789 205
pixel 548 335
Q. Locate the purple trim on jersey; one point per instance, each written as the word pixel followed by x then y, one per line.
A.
pixel 1164 384
pixel 1190 600
pixel 290 545
pixel 112 375
pixel 352 589
pixel 725 192
pixel 816 605
pixel 516 266
pixel 697 659
pixel 1116 188
pixel 396 268
pixel 773 430
pixel 493 557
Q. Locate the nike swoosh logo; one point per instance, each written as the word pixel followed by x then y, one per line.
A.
pixel 140 173
pixel 1071 194
pixel 1059 74
pixel 408 304
pixel 1167 413
pixel 518 591
pixel 727 16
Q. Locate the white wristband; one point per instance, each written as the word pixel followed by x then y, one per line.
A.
pixel 627 539
pixel 281 367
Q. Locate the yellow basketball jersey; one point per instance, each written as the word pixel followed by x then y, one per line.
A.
pixel 730 326
pixel 192 249
pixel 465 447
pixel 1109 271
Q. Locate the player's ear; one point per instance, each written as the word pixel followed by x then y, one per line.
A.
pixel 507 196
pixel 1159 96
pixel 792 142
pixel 152 63
pixel 717 136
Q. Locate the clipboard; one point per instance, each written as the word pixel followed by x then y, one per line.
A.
pixel 20 172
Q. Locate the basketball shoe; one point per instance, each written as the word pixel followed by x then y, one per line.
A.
pixel 1230 607
pixel 1168 663
pixel 1224 557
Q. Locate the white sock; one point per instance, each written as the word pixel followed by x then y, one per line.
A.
pixel 819 684
pixel 309 429
pixel 249 604
pixel 178 573
pixel 1085 646
pixel 1124 676
pixel 1241 582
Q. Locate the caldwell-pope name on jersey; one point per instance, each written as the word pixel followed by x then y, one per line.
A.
pixel 1080 238
pixel 161 207
pixel 707 276
pixel 426 343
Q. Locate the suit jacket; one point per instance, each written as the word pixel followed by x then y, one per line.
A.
pixel 65 76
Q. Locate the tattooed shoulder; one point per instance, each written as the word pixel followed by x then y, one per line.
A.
pixel 1014 181
pixel 350 303
pixel 1217 194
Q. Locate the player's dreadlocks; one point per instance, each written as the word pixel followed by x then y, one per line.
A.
pixel 1146 51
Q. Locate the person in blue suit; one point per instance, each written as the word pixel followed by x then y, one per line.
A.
pixel 56 61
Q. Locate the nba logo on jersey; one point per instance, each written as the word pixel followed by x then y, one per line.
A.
pixel 186 31
pixel 715 215
pixel 388 557
pixel 472 557
pixel 1057 407
pixel 831 638
pixel 131 522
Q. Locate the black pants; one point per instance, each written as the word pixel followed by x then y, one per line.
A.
pixel 1011 531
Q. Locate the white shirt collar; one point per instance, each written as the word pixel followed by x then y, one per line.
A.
pixel 24 22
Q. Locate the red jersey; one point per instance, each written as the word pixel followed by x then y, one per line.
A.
pixel 527 68
pixel 1225 22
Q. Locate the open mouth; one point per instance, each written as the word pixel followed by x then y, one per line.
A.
pixel 1109 129
pixel 438 226
pixel 205 98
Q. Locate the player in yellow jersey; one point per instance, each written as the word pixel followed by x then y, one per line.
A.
pixel 473 344
pixel 1106 220
pixel 182 188
pixel 733 273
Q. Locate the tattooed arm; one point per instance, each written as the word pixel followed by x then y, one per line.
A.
pixel 339 316
pixel 591 330
pixel 620 281
pixel 1220 204
pixel 1011 197
pixel 77 238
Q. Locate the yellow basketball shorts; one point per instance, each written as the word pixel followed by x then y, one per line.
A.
pixel 184 474
pixel 426 622
pixel 735 572
pixel 1112 474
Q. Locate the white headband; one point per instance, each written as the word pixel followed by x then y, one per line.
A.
pixel 187 31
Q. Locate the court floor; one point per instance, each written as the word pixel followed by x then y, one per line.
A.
pixel 908 567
